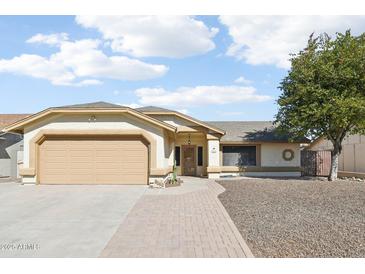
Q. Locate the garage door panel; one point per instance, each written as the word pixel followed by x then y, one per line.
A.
pixel 110 166
pixel 133 158
pixel 132 179
pixel 56 162
pixel 54 166
pixel 108 153
pixel 81 167
pixel 80 153
pixel 79 179
pixel 112 179
pixel 111 156
pixel 54 153
pixel 55 171
pixel 60 145
pixel 134 167
pixel 119 168
pixel 93 161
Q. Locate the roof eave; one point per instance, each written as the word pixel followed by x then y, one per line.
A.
pixel 181 115
pixel 18 126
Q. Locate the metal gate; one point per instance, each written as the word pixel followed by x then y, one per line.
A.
pixel 316 163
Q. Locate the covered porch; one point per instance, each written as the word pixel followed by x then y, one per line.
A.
pixel 195 152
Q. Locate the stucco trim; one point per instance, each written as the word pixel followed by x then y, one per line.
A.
pixel 214 169
pixel 190 129
pixel 212 137
pixel 351 174
pixel 27 171
pixel 34 143
pixel 260 169
pixel 19 125
pixel 161 171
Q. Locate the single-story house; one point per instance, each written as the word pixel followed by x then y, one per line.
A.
pixel 10 144
pixel 351 162
pixel 103 143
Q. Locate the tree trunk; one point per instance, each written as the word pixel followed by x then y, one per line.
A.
pixel 334 163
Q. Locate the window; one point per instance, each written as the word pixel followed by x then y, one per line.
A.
pixel 239 155
pixel 177 156
pixel 200 156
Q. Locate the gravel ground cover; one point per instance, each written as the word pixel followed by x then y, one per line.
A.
pixel 298 218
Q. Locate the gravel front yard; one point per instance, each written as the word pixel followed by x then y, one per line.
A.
pixel 298 218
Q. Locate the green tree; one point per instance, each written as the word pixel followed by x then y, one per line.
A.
pixel 324 91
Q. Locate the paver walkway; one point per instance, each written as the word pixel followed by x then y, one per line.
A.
pixel 185 221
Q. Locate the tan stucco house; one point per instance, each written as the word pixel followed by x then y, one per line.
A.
pixel 103 143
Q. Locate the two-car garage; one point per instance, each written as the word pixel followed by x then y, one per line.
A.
pixel 93 160
pixel 94 143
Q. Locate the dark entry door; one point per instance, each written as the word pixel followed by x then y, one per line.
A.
pixel 189 161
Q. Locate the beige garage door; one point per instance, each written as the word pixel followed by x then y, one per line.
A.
pixel 93 160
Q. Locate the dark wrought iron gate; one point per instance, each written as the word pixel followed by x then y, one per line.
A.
pixel 316 163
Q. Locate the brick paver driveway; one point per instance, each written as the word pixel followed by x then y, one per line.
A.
pixel 185 221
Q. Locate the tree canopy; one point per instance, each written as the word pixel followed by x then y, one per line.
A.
pixel 324 91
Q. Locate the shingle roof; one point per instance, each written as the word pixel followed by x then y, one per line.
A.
pixel 7 119
pixel 154 109
pixel 263 131
pixel 99 104
pixel 148 109
pixel 235 130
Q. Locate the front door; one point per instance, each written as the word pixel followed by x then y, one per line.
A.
pixel 189 164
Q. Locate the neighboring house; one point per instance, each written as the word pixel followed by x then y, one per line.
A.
pixel 99 143
pixel 10 144
pixel 351 161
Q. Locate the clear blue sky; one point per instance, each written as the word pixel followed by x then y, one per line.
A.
pixel 213 68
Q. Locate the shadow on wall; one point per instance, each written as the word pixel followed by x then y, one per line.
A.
pixel 245 160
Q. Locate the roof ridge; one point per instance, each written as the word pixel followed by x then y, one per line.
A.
pixel 97 104
pixel 153 109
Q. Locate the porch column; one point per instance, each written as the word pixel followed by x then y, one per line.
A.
pixel 213 168
pixel 170 146
pixel 172 153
